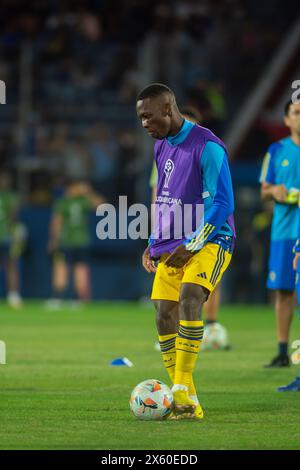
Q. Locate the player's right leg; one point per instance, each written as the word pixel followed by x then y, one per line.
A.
pixel 165 295
pixel 167 321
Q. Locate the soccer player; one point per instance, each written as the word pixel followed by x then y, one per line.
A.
pixel 70 239
pixel 188 158
pixel 211 306
pixel 280 181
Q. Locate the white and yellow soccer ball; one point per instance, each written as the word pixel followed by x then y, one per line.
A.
pixel 151 400
pixel 215 337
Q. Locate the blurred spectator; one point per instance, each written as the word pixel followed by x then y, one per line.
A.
pixel 76 160
pixel 65 155
pixel 102 148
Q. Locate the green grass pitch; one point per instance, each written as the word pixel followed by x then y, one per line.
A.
pixel 57 390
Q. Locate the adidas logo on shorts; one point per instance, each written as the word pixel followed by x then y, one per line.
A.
pixel 202 275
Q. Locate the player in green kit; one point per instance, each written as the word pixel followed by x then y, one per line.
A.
pixel 70 240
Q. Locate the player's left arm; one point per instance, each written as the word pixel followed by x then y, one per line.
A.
pixel 216 173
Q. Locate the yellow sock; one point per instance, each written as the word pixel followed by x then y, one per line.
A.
pixel 188 343
pixel 168 351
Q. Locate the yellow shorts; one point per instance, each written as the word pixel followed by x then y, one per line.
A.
pixel 205 268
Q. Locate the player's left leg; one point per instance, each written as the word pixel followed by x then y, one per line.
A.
pixel 201 275
pixel 188 343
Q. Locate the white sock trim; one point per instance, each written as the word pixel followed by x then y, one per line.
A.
pixel 194 398
pixel 177 387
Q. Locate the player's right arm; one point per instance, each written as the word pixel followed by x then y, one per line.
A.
pixel 276 192
pixel 147 262
pixel 269 189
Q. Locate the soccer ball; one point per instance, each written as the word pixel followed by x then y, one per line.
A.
pixel 151 400
pixel 215 337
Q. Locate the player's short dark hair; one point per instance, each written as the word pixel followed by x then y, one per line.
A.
pixel 287 107
pixel 153 90
pixel 192 112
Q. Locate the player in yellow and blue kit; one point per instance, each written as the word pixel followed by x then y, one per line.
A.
pixel 193 174
pixel 280 180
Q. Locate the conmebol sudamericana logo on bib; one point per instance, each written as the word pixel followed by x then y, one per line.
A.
pixel 169 168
